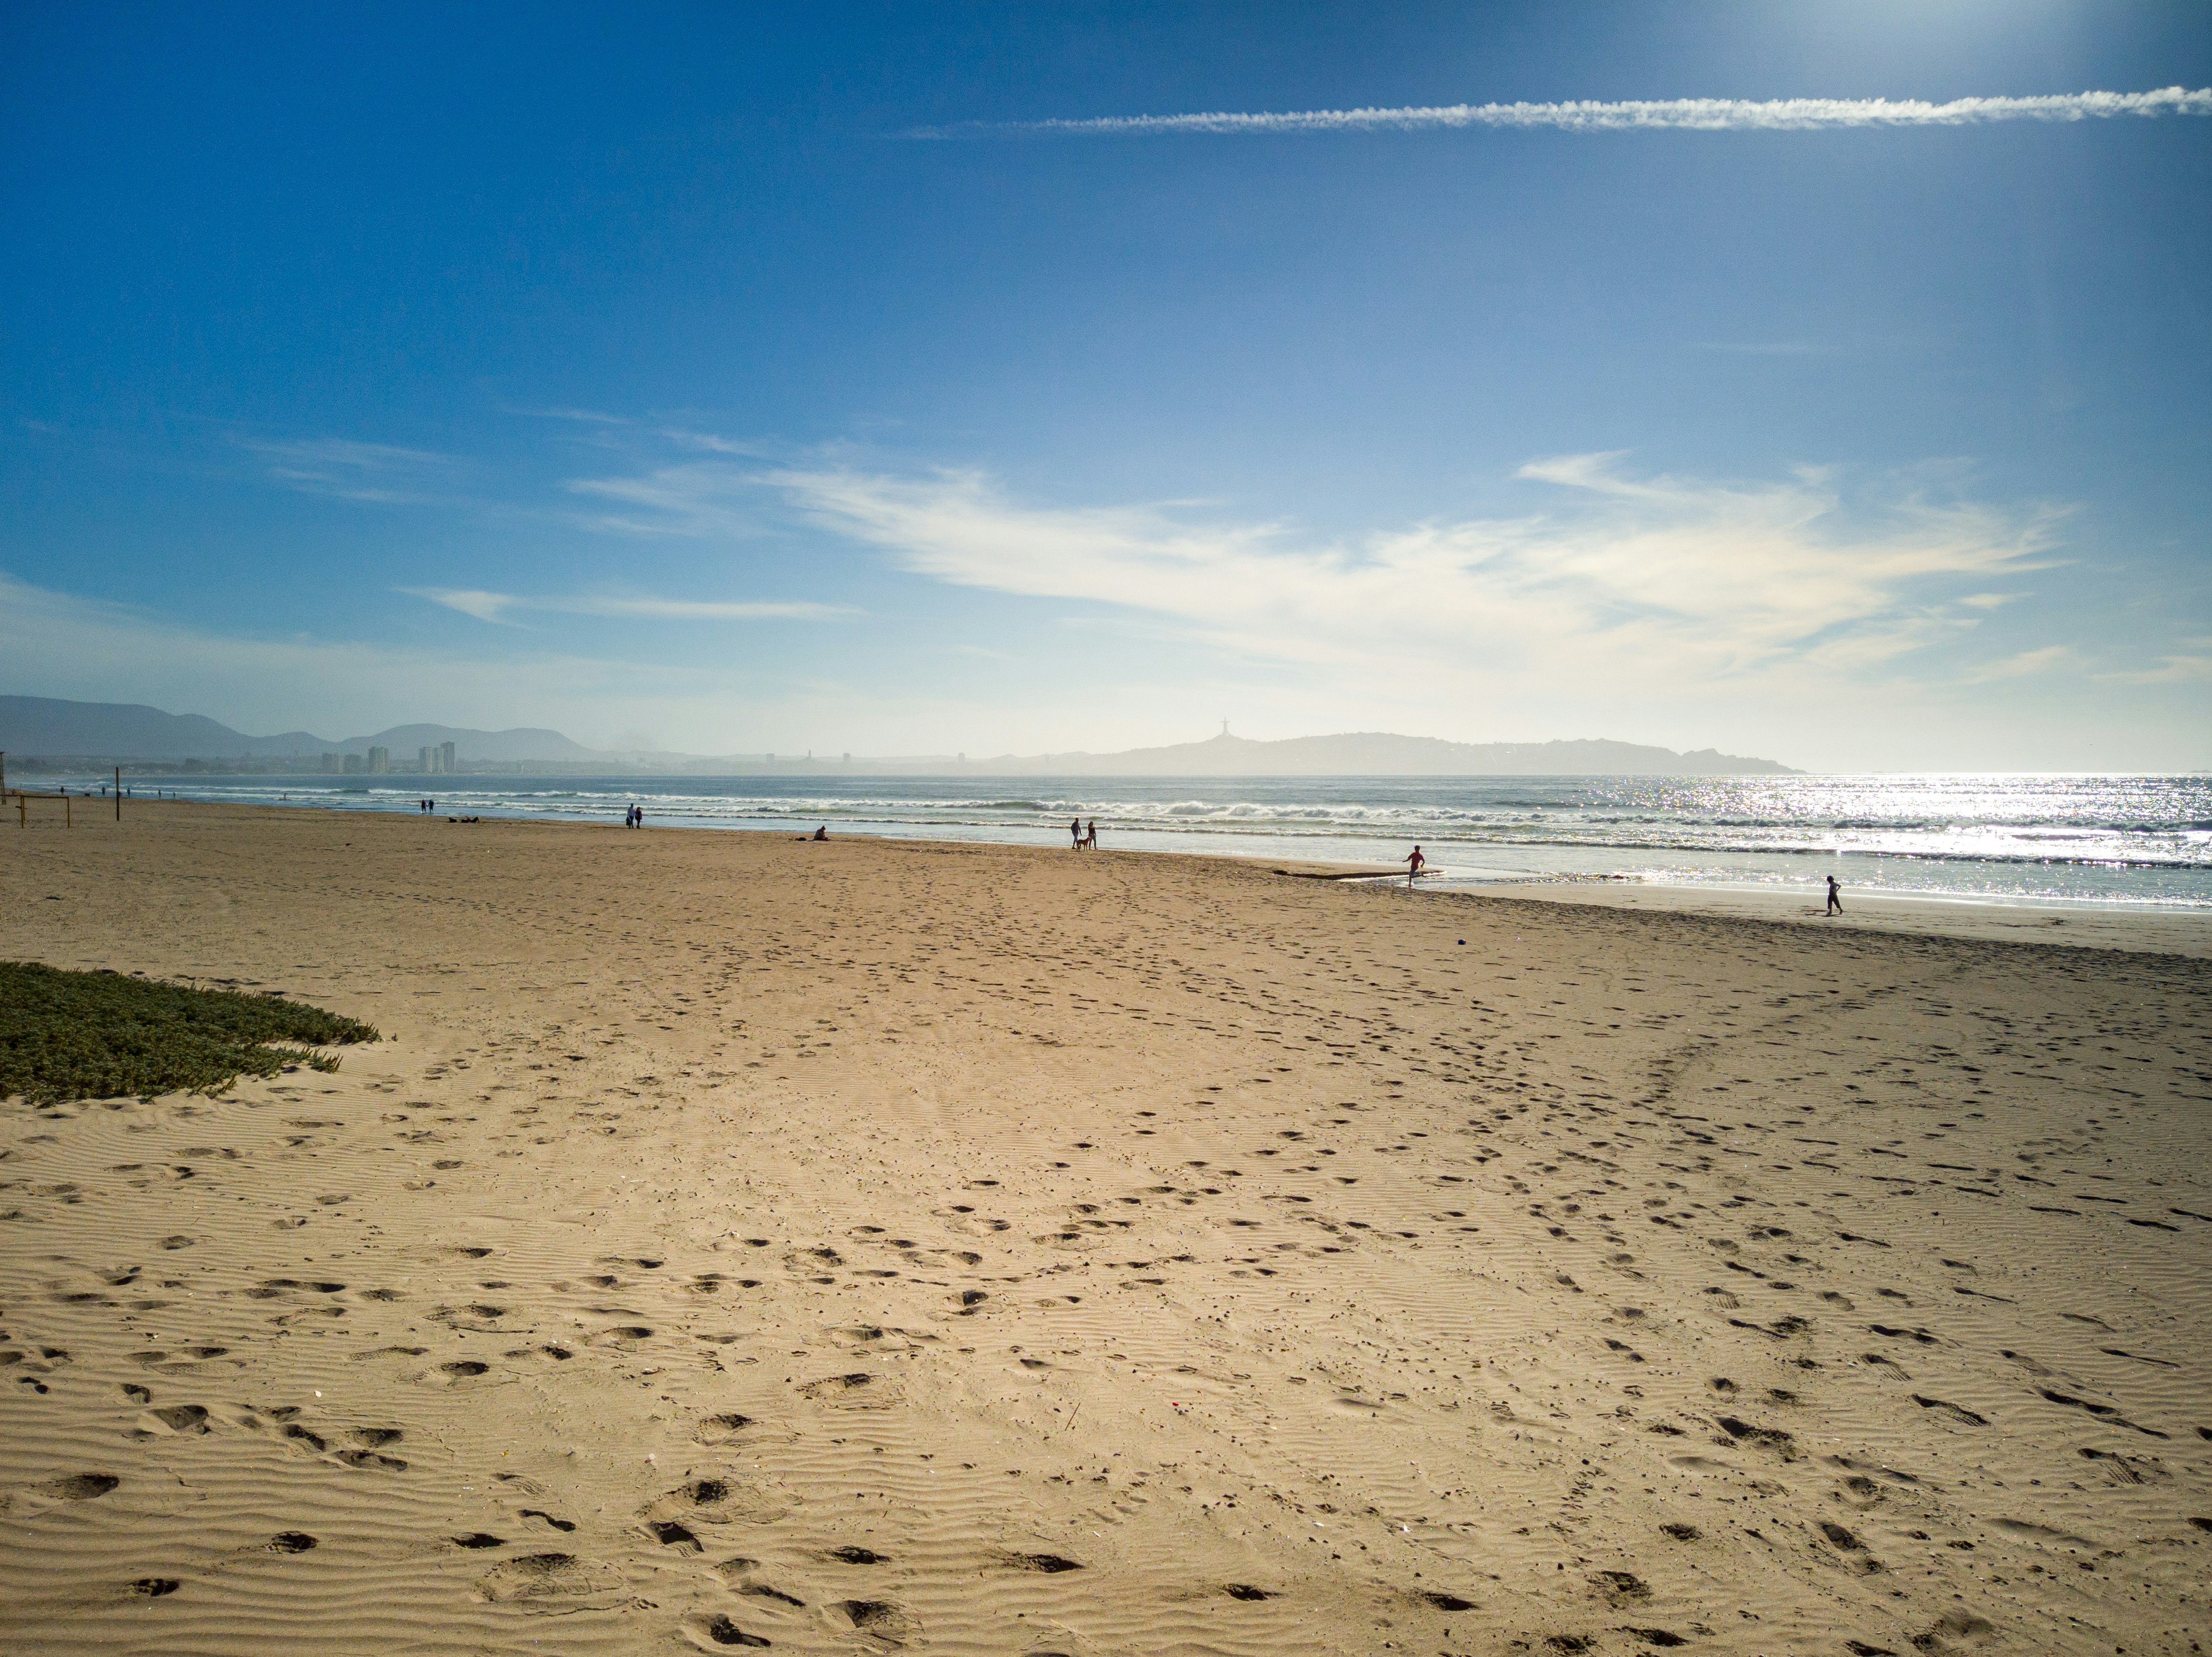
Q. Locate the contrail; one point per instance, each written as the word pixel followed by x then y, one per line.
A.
pixel 1695 114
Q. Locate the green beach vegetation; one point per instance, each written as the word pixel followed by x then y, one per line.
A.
pixel 66 1035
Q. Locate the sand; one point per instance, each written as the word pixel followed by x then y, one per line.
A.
pixel 876 1246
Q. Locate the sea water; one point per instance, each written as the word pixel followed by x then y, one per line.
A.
pixel 2135 841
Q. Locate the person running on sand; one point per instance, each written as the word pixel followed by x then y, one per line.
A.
pixel 1835 897
pixel 1415 864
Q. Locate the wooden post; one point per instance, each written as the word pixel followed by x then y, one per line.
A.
pixel 67 809
pixel 119 793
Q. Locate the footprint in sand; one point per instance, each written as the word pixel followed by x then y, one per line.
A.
pixel 1617 1587
pixel 540 1576
pixel 719 1501
pixel 1956 1412
pixel 1050 1564
pixel 717 1629
pixel 880 1619
pixel 854 1390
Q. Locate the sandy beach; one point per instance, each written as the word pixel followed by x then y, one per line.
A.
pixel 876 1245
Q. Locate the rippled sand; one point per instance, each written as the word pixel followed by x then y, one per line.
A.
pixel 873 1246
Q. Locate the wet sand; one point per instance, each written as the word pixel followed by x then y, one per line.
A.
pixel 2160 932
pixel 879 1246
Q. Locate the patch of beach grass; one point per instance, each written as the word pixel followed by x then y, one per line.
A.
pixel 66 1035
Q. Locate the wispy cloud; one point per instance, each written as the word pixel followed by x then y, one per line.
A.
pixel 699 498
pixel 495 606
pixel 2026 665
pixel 2192 667
pixel 376 473
pixel 1635 579
pixel 1693 114
pixel 61 644
pixel 579 417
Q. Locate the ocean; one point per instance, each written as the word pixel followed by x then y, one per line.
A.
pixel 2135 841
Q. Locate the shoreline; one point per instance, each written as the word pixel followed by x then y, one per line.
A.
pixel 2069 923
pixel 2099 863
pixel 2186 934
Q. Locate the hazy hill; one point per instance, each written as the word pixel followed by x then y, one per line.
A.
pixel 1375 753
pixel 114 730
pixel 31 725
pixel 1361 753
pixel 499 747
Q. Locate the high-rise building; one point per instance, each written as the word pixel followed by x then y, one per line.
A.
pixel 446 758
pixel 426 761
pixel 379 761
pixel 333 762
pixel 350 764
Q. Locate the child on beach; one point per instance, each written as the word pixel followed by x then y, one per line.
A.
pixel 1415 864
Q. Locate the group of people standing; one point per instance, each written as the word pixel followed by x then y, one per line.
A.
pixel 426 805
pixel 1084 839
pixel 633 818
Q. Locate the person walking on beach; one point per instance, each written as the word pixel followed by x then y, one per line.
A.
pixel 1090 836
pixel 1415 864
pixel 1075 833
pixel 1835 897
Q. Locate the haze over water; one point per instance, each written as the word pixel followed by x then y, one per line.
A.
pixel 2106 840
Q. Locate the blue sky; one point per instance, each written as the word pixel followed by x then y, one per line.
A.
pixel 731 379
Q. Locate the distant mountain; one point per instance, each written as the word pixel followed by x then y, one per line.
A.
pixel 490 747
pixel 1375 753
pixel 1363 754
pixel 112 730
pixel 41 726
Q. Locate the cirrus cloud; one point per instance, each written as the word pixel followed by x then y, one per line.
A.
pixel 495 606
pixel 1639 114
pixel 1628 579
